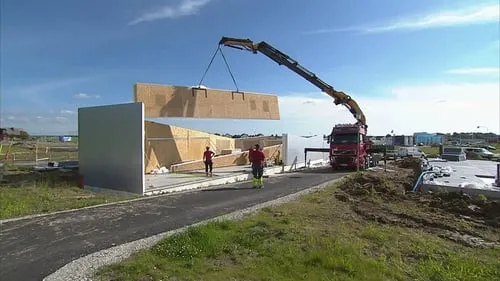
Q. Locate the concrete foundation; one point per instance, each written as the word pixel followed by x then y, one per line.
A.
pixel 471 176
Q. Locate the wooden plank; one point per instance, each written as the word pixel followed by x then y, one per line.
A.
pixel 179 101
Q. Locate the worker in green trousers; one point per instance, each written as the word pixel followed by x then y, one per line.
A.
pixel 257 158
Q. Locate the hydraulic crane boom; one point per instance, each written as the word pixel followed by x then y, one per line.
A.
pixel 282 59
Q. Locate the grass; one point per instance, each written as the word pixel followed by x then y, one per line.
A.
pixel 430 151
pixel 27 152
pixel 26 193
pixel 315 238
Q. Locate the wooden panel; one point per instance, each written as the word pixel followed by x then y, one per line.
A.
pixel 166 145
pixel 179 101
pixel 272 153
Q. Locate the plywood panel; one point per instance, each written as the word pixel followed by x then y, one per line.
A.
pixel 273 153
pixel 160 147
pixel 167 145
pixel 111 146
pixel 179 101
pixel 246 143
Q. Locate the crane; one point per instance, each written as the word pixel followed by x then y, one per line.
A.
pixel 283 59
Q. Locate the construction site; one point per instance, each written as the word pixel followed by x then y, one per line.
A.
pixel 126 149
pixel 160 156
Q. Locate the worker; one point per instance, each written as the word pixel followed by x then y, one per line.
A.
pixel 257 158
pixel 207 159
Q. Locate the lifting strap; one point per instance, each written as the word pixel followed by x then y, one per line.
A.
pixel 227 66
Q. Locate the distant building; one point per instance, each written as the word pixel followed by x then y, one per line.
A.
pixel 427 138
pixel 64 138
pixel 393 140
pixel 403 140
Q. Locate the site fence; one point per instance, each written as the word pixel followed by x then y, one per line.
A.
pixel 33 153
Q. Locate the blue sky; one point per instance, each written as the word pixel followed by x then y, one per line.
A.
pixel 411 65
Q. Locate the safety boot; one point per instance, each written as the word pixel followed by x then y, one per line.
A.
pixel 261 182
pixel 255 182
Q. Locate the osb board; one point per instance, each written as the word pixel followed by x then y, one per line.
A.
pixel 247 143
pixel 159 153
pixel 179 101
pixel 236 159
pixel 178 145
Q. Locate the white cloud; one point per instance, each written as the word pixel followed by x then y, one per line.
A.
pixel 40 95
pixel 60 119
pixel 479 14
pixel 36 123
pixel 431 108
pixel 45 87
pixel 67 112
pixel 184 8
pixel 85 96
pixel 475 71
pixel 14 119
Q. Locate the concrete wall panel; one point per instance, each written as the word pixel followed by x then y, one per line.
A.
pixel 178 101
pixel 294 146
pixel 111 146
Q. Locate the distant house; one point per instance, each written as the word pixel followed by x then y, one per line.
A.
pixel 11 133
pixel 428 139
pixel 403 140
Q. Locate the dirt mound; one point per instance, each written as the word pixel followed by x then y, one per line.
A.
pixel 410 163
pixel 378 184
pixel 437 224
pixel 383 197
pixel 463 204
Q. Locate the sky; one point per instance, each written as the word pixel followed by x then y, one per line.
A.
pixel 412 66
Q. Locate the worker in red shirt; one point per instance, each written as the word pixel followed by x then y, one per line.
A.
pixel 207 159
pixel 257 158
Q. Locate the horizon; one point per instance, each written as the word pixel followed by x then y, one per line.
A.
pixel 411 66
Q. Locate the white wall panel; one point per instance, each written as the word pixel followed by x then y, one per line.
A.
pixel 111 146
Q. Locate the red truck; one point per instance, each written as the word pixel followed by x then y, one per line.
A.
pixel 350 147
pixel 346 140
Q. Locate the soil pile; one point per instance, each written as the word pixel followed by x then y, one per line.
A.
pixel 410 163
pixel 387 185
pixel 462 204
pixel 383 197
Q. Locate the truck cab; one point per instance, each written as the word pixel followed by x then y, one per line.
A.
pixel 348 146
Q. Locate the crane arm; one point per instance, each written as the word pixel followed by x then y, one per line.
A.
pixel 283 59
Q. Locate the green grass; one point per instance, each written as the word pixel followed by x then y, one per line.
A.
pixel 430 151
pixel 27 152
pixel 26 193
pixel 314 238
